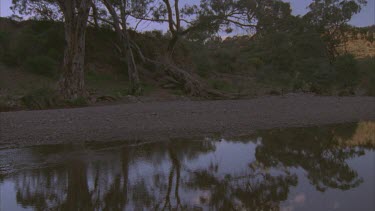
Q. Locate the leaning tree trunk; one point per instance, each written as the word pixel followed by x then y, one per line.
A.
pixel 71 84
pixel 190 83
pixel 126 48
pixel 135 84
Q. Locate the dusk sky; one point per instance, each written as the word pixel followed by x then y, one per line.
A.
pixel 365 18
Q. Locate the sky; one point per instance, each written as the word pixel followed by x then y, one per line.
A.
pixel 365 18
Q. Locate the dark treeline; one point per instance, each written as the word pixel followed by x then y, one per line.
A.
pixel 306 53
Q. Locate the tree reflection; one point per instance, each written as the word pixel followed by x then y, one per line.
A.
pixel 322 152
pixel 117 196
pixel 175 169
pixel 317 150
pixel 41 188
pixel 78 196
pixel 161 176
pixel 255 191
pixel 67 187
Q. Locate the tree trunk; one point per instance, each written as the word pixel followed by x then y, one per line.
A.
pixel 71 84
pixel 135 85
pixel 78 196
pixel 72 81
pixel 134 82
pixel 171 45
pixel 127 51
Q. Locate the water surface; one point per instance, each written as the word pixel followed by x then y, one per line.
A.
pixel 319 168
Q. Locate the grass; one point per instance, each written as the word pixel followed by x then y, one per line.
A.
pixel 221 85
pixel 147 88
pixel 42 65
pixel 115 84
pixel 78 102
pixel 6 105
pixel 42 98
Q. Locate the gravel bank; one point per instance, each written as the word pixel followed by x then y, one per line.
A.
pixel 170 120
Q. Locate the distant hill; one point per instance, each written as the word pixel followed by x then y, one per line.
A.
pixel 361 42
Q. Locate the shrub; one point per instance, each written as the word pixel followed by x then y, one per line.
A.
pixel 9 59
pixel 4 106
pixel 203 65
pixel 257 62
pixel 41 65
pixel 225 60
pixel 370 89
pixel 81 101
pixel 6 55
pixel 221 85
pixel 367 75
pixel 347 71
pixel 4 38
pixel 41 98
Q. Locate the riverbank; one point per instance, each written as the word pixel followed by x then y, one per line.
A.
pixel 178 119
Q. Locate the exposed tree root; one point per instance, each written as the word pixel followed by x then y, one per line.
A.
pixel 190 83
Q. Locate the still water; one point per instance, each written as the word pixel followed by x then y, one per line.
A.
pixel 319 168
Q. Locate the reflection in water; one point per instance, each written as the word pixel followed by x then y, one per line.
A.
pixel 286 169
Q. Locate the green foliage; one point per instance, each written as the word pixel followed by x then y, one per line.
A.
pixel 347 71
pixel 203 66
pixel 4 105
pixel 367 75
pixel 221 85
pixel 81 101
pixel 37 46
pixel 4 39
pixel 147 88
pixel 5 55
pixel 329 18
pixel 201 59
pixel 371 85
pixel 41 65
pixel 46 98
pixel 256 62
pixel 225 60
pixel 42 98
pixel 287 52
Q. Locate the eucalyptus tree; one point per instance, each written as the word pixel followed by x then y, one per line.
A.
pixel 204 18
pixel 75 15
pixel 193 20
pixel 120 11
pixel 330 18
pixel 122 14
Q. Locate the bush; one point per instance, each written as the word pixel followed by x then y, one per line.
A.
pixel 256 62
pixel 347 71
pixel 41 98
pixel 312 74
pixel 225 60
pixel 4 38
pixel 9 59
pixel 221 85
pixel 203 65
pixel 370 89
pixel 4 106
pixel 81 101
pixel 5 55
pixel 367 75
pixel 41 65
